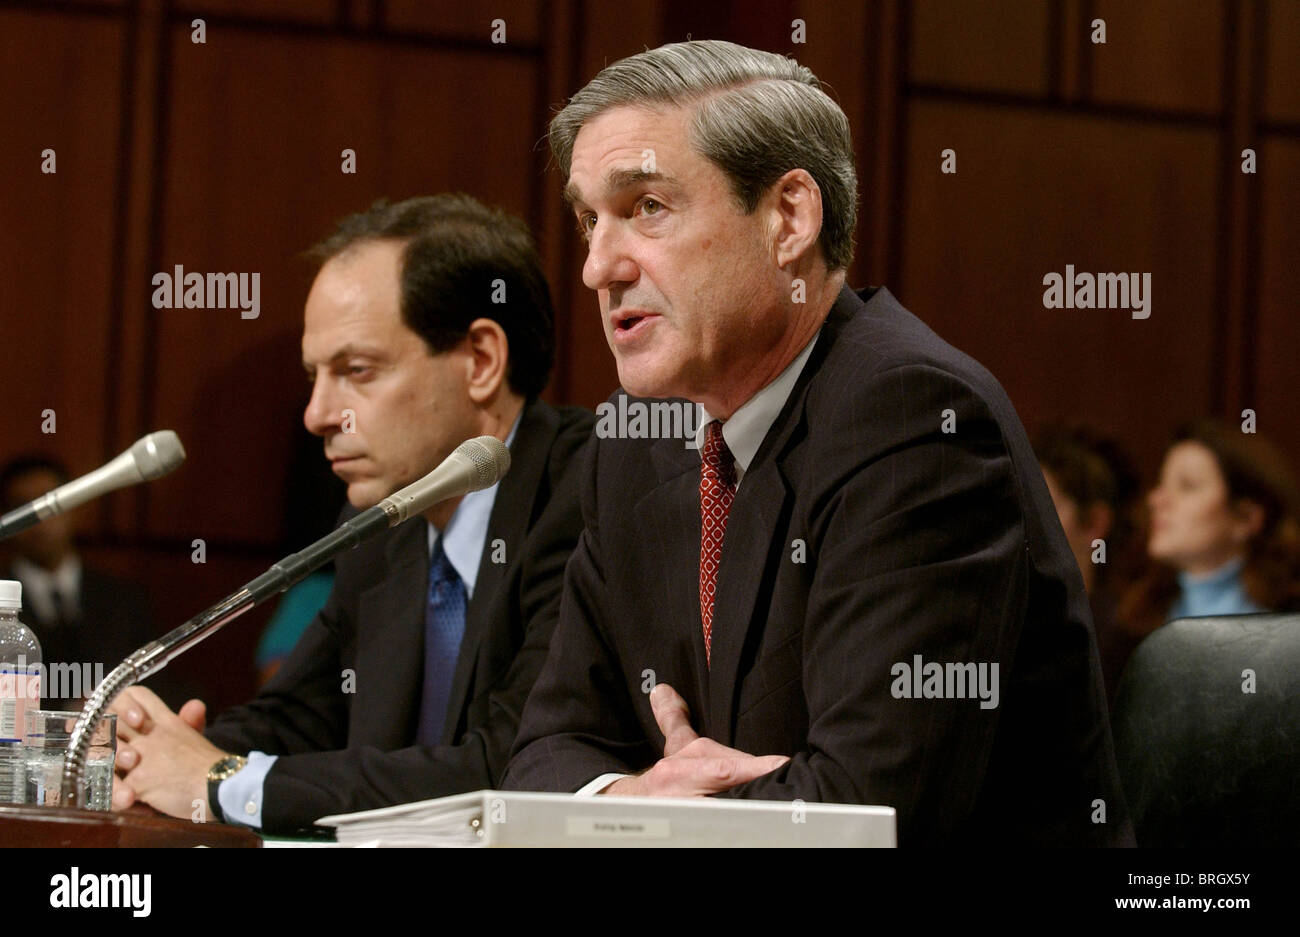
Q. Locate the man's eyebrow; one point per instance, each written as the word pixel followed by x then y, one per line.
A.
pixel 617 179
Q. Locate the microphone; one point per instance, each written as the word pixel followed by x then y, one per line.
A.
pixel 151 457
pixel 476 464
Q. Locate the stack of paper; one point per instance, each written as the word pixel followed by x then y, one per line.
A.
pixel 509 818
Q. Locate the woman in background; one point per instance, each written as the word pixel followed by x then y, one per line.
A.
pixel 1224 538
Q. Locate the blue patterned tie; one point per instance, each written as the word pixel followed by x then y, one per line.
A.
pixel 444 626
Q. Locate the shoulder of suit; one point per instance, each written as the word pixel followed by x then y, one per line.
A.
pixel 411 536
pixel 886 381
pixel 572 430
pixel 575 421
pixel 878 340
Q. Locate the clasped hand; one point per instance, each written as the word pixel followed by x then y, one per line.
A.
pixel 162 756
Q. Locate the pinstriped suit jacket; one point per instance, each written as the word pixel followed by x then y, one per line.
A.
pixel 915 542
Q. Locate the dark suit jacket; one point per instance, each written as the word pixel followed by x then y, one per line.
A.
pixel 347 751
pixel 914 541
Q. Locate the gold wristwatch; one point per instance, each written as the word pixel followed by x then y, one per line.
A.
pixel 223 769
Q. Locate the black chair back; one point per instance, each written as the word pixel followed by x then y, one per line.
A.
pixel 1207 732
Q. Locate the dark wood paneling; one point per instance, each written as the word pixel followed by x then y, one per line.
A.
pixel 998 45
pixel 1035 191
pixel 523 19
pixel 1277 344
pixel 1281 66
pixel 1161 54
pixel 61 90
pixel 298 11
pixel 762 25
pixel 1238 216
pixel 252 178
pixel 837 53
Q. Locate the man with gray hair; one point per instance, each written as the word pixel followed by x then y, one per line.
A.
pixel 856 591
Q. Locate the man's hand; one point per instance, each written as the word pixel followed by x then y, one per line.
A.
pixel 162 756
pixel 692 766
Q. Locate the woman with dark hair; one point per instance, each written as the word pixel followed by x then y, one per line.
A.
pixel 1224 533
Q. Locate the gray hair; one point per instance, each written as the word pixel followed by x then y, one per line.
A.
pixel 759 116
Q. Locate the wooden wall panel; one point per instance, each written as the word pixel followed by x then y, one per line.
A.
pixel 297 11
pixel 555 229
pixel 61 82
pixel 1277 345
pixel 1161 54
pixel 1281 65
pixel 762 25
pixel 839 54
pixel 997 45
pixel 473 22
pixel 877 122
pixel 1035 191
pixel 253 177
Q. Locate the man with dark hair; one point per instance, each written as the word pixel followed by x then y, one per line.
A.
pixel 1093 486
pixel 86 620
pixel 453 245
pixel 429 323
pixel 856 591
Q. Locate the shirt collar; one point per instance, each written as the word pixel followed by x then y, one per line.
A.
pixel 465 535
pixel 748 426
pixel 1224 576
pixel 39 582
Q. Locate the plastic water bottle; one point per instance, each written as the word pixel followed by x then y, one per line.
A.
pixel 20 690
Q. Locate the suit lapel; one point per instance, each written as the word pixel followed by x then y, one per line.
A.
pixel 668 517
pixel 747 552
pixel 511 511
pixel 391 646
pixel 750 551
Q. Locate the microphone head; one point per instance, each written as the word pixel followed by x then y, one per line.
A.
pixel 490 458
pixel 474 465
pixel 157 454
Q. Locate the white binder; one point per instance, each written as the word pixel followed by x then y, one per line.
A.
pixel 511 818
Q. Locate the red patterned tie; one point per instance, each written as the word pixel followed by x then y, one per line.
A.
pixel 717 491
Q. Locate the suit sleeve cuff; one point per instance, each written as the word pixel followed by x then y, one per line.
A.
pixel 241 793
pixel 590 789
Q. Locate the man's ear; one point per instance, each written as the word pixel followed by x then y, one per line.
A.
pixel 797 217
pixel 489 360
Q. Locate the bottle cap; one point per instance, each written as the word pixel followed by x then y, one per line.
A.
pixel 11 594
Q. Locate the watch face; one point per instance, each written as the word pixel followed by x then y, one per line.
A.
pixel 225 768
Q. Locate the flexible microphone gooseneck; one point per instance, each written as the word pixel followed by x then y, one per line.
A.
pixel 476 464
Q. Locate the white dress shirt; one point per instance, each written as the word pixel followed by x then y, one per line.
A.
pixel 40 584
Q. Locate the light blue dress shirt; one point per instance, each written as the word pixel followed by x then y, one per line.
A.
pixel 1215 593
pixel 464 539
